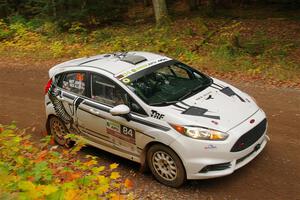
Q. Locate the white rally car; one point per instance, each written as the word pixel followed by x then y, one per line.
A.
pixel 156 111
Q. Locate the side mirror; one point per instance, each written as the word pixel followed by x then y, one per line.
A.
pixel 120 110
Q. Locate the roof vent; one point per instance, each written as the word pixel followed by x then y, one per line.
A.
pixel 133 59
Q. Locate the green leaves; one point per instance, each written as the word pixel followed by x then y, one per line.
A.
pixel 41 172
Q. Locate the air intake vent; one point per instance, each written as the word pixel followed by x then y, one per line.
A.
pixel 133 59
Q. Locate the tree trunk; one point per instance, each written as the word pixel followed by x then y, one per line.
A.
pixel 211 7
pixel 54 13
pixel 160 11
pixel 193 5
pixel 146 3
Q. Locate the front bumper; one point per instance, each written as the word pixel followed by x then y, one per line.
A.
pixel 233 164
pixel 210 159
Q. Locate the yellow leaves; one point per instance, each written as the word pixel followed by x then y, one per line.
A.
pixel 102 180
pixel 115 175
pixel 57 48
pixel 72 194
pixel 20 160
pixel 113 166
pixel 118 197
pixel 65 152
pixel 128 183
pixel 46 189
pixel 103 189
pixel 26 186
pixel 96 170
pixel 90 163
pixel 36 191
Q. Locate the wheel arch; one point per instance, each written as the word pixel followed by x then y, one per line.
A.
pixel 48 124
pixel 144 164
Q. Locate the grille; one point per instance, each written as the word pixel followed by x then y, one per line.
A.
pixel 250 137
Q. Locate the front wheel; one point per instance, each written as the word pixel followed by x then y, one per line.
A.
pixel 165 165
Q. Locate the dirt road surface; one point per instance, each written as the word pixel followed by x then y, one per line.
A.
pixel 274 174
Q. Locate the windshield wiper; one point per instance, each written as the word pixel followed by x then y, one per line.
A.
pixel 166 103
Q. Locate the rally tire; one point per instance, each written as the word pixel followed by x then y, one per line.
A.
pixel 58 130
pixel 166 166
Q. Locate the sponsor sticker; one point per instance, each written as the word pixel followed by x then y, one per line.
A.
pixel 210 146
pixel 126 80
pixel 120 131
pixel 139 68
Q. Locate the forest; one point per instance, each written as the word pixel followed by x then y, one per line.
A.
pixel 246 38
pixel 93 12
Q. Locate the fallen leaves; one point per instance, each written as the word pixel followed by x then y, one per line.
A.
pixel 115 175
pixel 90 163
pixel 41 156
pixel 113 166
pixel 128 183
pixel 43 171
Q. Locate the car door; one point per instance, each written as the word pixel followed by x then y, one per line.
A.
pixel 71 89
pixel 98 125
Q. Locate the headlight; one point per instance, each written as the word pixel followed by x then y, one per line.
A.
pixel 200 133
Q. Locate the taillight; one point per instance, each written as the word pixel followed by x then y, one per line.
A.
pixel 48 85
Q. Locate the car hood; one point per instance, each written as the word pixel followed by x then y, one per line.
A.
pixel 220 106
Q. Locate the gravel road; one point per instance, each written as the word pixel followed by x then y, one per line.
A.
pixel 274 174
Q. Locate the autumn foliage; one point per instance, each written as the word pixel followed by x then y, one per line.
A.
pixel 44 171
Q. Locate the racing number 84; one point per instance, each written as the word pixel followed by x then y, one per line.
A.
pixel 127 131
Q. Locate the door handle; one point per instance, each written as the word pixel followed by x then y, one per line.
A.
pixel 60 98
pixel 94 111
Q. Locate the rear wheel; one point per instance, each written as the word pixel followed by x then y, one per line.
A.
pixel 59 132
pixel 166 166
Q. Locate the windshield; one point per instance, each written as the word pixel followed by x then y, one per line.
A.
pixel 167 83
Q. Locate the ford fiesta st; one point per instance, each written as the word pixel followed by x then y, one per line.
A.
pixel 157 111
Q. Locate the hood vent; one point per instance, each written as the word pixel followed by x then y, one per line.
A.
pixel 196 111
pixel 133 59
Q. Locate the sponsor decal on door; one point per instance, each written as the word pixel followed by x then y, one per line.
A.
pixel 120 131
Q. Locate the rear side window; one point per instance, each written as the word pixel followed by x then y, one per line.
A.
pixel 74 82
pixel 57 79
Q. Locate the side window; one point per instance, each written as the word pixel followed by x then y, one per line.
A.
pixel 165 71
pixel 74 82
pixel 105 91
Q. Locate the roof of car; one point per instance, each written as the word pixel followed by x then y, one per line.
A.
pixel 114 63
